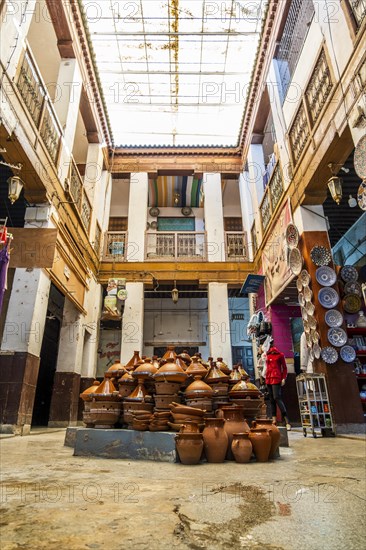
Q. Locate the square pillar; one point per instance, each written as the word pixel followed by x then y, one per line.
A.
pixel 133 321
pixel 137 217
pixel 219 322
pixel 214 217
pixel 247 209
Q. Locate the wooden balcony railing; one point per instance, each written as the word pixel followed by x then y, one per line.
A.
pixel 164 245
pixel 236 245
pixel 115 246
pixel 74 187
pixel 38 103
pixel 272 197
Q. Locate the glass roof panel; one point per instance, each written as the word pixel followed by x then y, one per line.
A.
pixel 175 72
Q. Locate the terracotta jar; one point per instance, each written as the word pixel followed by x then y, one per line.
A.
pixel 274 432
pixel 241 447
pixel 171 372
pixel 189 447
pixel 215 440
pixel 234 423
pixel 261 441
pixel 190 426
pixel 133 361
pixel 223 366
pixel 170 353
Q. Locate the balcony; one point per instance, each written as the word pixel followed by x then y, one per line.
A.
pixel 115 246
pixel 176 246
pixel 272 197
pixel 38 103
pixel 236 245
pixel 74 187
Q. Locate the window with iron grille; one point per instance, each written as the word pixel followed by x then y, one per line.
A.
pixel 299 133
pixel 117 224
pixel 97 239
pixel 233 224
pixel 293 38
pixel 319 88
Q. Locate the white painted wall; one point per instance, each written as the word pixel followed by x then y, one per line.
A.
pixel 310 218
pixel 214 222
pixel 120 197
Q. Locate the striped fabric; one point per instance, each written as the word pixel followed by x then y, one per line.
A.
pixel 163 189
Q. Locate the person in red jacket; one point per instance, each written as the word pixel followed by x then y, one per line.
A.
pixel 276 373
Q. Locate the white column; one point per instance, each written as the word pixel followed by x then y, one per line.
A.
pixel 310 218
pixel 26 315
pixel 219 322
pixel 69 82
pixel 71 340
pixel 275 93
pixel 255 163
pixel 93 173
pixel 247 209
pixel 137 217
pixel 90 332
pixel 133 321
pixel 214 217
pixel 16 18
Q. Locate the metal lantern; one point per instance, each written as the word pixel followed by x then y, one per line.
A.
pixel 175 293
pixel 335 188
pixel 15 188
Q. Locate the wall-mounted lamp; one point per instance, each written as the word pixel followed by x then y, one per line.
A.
pixel 176 199
pixel 335 186
pixel 15 186
pixel 175 293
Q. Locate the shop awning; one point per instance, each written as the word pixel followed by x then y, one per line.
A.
pixel 252 284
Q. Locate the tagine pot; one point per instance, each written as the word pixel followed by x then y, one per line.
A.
pixel 261 441
pixel 241 447
pixel 170 353
pixel 86 394
pixel 170 372
pixel 116 370
pixel 234 423
pixel 185 357
pixel 274 432
pixel 126 384
pixel 223 366
pixel 198 389
pixel 215 440
pixel 189 447
pixel 133 362
pixel 214 375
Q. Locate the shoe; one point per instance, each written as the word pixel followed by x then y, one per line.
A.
pixel 288 427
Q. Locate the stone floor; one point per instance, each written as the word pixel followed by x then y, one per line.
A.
pixel 312 498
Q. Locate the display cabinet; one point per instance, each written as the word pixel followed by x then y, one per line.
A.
pixel 315 409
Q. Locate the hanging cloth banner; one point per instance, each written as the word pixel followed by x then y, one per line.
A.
pixel 33 247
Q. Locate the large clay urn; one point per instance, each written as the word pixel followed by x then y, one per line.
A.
pixel 261 441
pixel 241 447
pixel 274 432
pixel 135 359
pixel 215 440
pixel 189 447
pixel 234 423
pixel 190 426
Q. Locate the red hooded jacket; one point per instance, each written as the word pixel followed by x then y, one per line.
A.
pixel 276 366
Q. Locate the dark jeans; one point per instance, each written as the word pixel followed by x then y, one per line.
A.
pixel 274 391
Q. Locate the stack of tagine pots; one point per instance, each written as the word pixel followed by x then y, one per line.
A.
pixel 234 423
pixel 199 395
pixel 246 395
pixel 219 382
pixel 168 381
pixel 105 407
pixel 274 432
pixel 183 414
pixel 139 399
pixel 86 396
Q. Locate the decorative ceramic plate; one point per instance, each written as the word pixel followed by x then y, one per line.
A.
pixel 329 355
pixel 359 158
pixel 353 288
pixel 310 308
pixel 315 336
pixel 348 354
pixel 317 351
pixel 349 274
pixel 361 196
pixel 292 235
pixel 333 318
pixel 305 277
pixel 154 212
pixel 301 299
pixel 299 285
pixel 312 322
pixel 122 294
pixel 304 314
pixel 328 297
pixel 326 276
pixel 320 255
pixel 337 337
pixel 307 294
pixel 352 303
pixel 295 261
pixel 306 326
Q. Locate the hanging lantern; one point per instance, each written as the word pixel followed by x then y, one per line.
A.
pixel 335 188
pixel 175 293
pixel 15 188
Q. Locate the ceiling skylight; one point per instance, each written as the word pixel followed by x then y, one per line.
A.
pixel 175 72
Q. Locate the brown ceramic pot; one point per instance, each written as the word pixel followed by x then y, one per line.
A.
pixel 198 388
pixel 85 396
pixel 215 440
pixel 163 401
pixel 171 372
pixel 133 362
pixel 189 426
pixel 189 447
pixel 223 366
pixel 167 388
pixel 268 424
pixel 170 353
pixel 234 423
pixel 261 441
pixel 215 375
pixel 241 447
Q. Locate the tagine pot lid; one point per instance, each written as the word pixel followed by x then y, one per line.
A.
pixel 170 367
pixel 196 369
pixel 106 387
pixel 85 394
pixel 199 388
pixel 169 353
pixel 243 385
pixel 146 369
pixel 215 374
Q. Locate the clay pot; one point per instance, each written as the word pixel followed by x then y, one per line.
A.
pixel 250 406
pixel 223 366
pixel 85 396
pixel 125 384
pixel 167 388
pixel 144 371
pixel 189 447
pixel 241 447
pixel 261 441
pixel 155 361
pixel 214 375
pixel 132 363
pixel 163 401
pixel 171 372
pixel 116 370
pixel 274 432
pixel 198 388
pixel 106 391
pixel 215 440
pixel 104 414
pixel 189 427
pixel 200 403
pixel 170 353
pixel 139 393
pixel 234 423
pixel 196 369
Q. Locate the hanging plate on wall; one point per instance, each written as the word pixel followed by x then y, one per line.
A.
pixel 320 255
pixel 361 196
pixel 328 297
pixel 333 318
pixel 295 261
pixel 329 355
pixel 349 274
pixel 325 275
pixel 292 235
pixel 359 158
pixel 348 354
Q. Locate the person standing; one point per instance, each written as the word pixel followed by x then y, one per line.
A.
pixel 275 377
